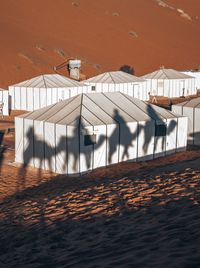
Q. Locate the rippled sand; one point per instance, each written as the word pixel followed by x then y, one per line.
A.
pixel 128 215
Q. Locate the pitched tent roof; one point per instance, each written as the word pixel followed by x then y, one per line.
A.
pixel 166 74
pixel 117 77
pixel 99 109
pixel 49 81
pixel 193 103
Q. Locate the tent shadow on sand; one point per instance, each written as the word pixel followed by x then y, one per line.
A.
pixel 137 226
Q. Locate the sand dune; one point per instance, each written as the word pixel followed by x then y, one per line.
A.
pixel 38 35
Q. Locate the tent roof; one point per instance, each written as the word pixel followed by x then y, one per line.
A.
pixel 99 109
pixel 193 103
pixel 166 74
pixel 117 77
pixel 49 81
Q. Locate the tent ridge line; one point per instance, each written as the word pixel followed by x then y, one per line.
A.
pixel 139 107
pixel 120 107
pixel 100 107
pixel 94 115
pixel 60 108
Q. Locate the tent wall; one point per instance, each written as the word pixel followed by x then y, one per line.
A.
pixel 182 131
pixel 196 75
pixel 19 140
pixel 193 115
pixel 172 87
pixel 4 99
pixel 30 99
pixel 62 149
pixel 137 90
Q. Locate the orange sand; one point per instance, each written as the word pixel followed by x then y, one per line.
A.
pixel 38 35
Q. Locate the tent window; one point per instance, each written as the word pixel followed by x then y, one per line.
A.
pixel 161 130
pixel 89 139
pixel 93 88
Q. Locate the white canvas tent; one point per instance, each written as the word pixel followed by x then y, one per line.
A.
pixel 44 90
pixel 4 102
pixel 119 81
pixel 170 83
pixel 195 74
pixel 93 130
pixel 191 109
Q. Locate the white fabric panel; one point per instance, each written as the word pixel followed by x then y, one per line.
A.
pixel 66 93
pixel 146 140
pixel 36 97
pixel 54 95
pixel 187 111
pixel 112 144
pixel 43 97
pixel 126 89
pixel 130 90
pixel 49 96
pixel 73 150
pixel 39 141
pixel 61 149
pixel 112 88
pixel 177 109
pixel 197 126
pixel 17 100
pixel 73 91
pixel 60 94
pixel 100 153
pixel 86 152
pixel 81 90
pixel 105 88
pixel 19 140
pixel 171 138
pixel 30 99
pixel 182 133
pixel 23 98
pixel 49 146
pixel 28 142
pixel 128 141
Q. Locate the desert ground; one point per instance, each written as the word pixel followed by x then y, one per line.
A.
pixel 128 215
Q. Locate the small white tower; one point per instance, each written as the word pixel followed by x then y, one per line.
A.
pixel 74 69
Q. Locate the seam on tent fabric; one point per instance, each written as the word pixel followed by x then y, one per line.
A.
pixel 54 81
pixel 44 81
pixel 57 122
pixel 36 110
pixel 100 108
pixel 94 114
pixel 112 78
pixel 138 106
pixel 73 98
pixel 118 105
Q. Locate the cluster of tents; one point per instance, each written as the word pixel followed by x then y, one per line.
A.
pixel 73 127
pixel 44 90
